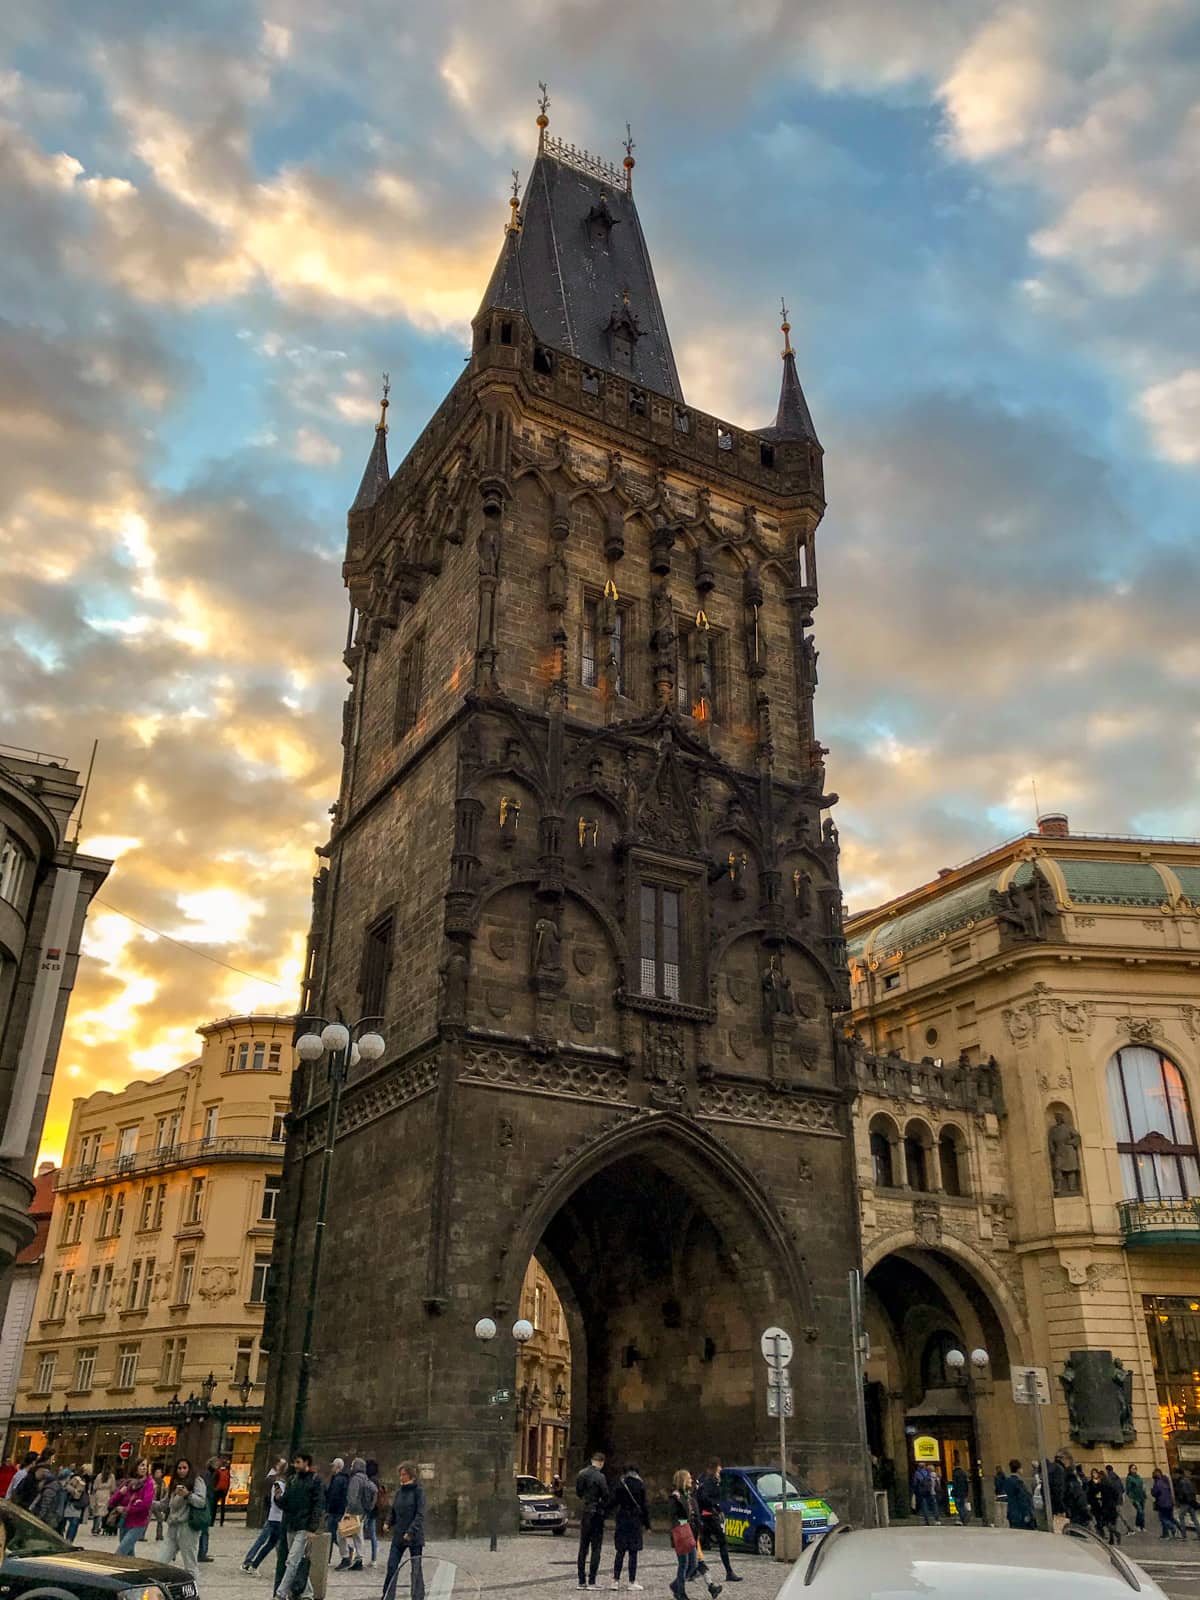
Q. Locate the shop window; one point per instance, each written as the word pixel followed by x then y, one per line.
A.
pixel 1156 1140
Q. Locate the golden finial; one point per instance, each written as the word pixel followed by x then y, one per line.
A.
pixel 702 621
pixel 543 120
pixel 629 163
pixel 381 425
pixel 514 220
pixel 786 329
pixel 610 590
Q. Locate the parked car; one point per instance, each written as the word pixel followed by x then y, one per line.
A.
pixel 750 1498
pixel 956 1563
pixel 38 1561
pixel 539 1507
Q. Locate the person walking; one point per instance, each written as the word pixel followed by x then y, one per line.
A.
pixel 104 1486
pixel 77 1507
pixel 220 1483
pixel 1135 1490
pixel 631 1517
pixel 1056 1483
pixel 371 1520
pixel 408 1534
pixel 158 1506
pixel 1185 1504
pixel 592 1488
pixel 683 1537
pixel 187 1517
pixel 268 1534
pixel 336 1491
pixel 23 1475
pixel 360 1498
pixel 1118 1487
pixel 1164 1504
pixel 303 1515
pixel 50 1502
pixel 960 1491
pixel 712 1518
pixel 209 1479
pixel 1102 1503
pixel 135 1500
pixel 1075 1498
pixel 999 1480
pixel 1019 1500
pixel 924 1495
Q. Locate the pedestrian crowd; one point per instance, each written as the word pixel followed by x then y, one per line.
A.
pixel 1098 1499
pixel 696 1524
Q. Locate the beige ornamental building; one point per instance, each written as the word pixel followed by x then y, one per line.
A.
pixel 1027 1058
pixel 146 1328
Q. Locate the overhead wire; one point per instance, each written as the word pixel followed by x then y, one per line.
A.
pixel 190 948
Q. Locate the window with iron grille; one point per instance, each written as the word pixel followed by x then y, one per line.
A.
pixel 376 964
pixel 698 691
pixel 408 684
pixel 661 913
pixel 593 645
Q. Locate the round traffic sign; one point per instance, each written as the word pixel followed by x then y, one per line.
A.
pixel 126 1450
pixel 776 1346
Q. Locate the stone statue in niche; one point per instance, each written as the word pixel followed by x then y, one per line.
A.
pixel 829 833
pixel 662 622
pixel 777 992
pixel 808 662
pixel 545 948
pixel 737 873
pixel 556 583
pixel 453 973
pixel 489 550
pixel 802 891
pixel 510 819
pixel 1065 1166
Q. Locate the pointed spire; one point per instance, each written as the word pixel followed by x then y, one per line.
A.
pixel 629 163
pixel 793 420
pixel 376 476
pixel 543 118
pixel 506 287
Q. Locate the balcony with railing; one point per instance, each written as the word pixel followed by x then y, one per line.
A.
pixel 192 1153
pixel 1165 1223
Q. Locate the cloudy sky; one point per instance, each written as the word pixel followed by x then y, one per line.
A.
pixel 220 221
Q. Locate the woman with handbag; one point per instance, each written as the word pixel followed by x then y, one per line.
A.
pixel 683 1534
pixel 104 1486
pixel 360 1499
pixel 187 1517
pixel 632 1517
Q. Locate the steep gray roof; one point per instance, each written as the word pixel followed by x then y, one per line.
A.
pixel 375 476
pixel 793 420
pixel 582 269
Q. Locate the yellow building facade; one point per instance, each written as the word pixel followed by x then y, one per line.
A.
pixel 542 1401
pixel 145 1332
pixel 1026 1053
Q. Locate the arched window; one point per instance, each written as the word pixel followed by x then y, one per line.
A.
pixel 916 1156
pixel 952 1156
pixel 1155 1136
pixel 884 1138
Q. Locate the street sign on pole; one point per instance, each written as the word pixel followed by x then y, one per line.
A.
pixel 126 1450
pixel 776 1395
pixel 1030 1386
pixel 776 1347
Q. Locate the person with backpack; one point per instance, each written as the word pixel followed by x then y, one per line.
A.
pixel 50 1502
pixel 361 1494
pixel 631 1518
pixel 268 1534
pixel 925 1495
pixel 187 1518
pixel 1164 1504
pixel 1020 1501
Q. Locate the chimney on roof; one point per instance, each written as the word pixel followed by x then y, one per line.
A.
pixel 1054 825
pixel 44 1167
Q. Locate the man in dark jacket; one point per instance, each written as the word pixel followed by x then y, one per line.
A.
pixel 336 1495
pixel 303 1507
pixel 408 1534
pixel 1056 1482
pixel 1185 1503
pixel 712 1518
pixel 592 1488
pixel 1020 1501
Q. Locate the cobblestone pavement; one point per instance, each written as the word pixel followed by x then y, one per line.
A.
pixel 529 1564
pixel 543 1567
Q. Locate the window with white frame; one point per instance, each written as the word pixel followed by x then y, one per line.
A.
pixel 13 860
pixel 89 1150
pixel 106 1209
pixel 212 1116
pixel 242 1359
pixel 229 1059
pixel 127 1365
pixel 258 1280
pixel 187 1275
pixel 135 1285
pixel 270 1200
pixel 127 1143
pixel 44 1378
pixel 106 1278
pixel 1156 1139
pixel 52 1302
pixel 160 1201
pixel 243 1055
pixel 91 1303
pixel 278 1128
pixel 147 1284
pixel 146 1214
pixel 68 1226
pixel 195 1202
pixel 260 1055
pixel 118 1216
pixel 174 1356
pixel 85 1368
pixel 275 1054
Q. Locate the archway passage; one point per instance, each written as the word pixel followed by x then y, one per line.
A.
pixel 664 1304
pixel 922 1305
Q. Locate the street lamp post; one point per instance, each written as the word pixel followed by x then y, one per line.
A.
pixel 339 1042
pixel 956 1361
pixel 486 1330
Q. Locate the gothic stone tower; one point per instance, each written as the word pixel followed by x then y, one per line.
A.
pixel 578 865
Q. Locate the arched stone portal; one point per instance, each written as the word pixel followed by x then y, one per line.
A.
pixel 921 1303
pixel 668 1276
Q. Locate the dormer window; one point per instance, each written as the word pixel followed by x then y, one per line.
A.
pixel 506 333
pixel 543 361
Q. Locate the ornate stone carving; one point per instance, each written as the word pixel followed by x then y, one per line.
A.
pixel 1026 910
pixel 663 1065
pixel 583 1017
pixel 548 1075
pixel 927 1221
pixel 583 958
pixel 504 1132
pixel 498 999
pixel 736 1102
pixel 1190 1017
pixel 738 987
pixel 1099 1396
pixel 218 1282
pixel 1142 1030
pixel 501 943
pixel 376 1098
pixel 741 1042
pixel 1074 1018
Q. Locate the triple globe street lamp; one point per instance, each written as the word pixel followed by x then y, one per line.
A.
pixel 345 1046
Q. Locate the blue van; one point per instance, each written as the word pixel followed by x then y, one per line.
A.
pixel 750 1497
